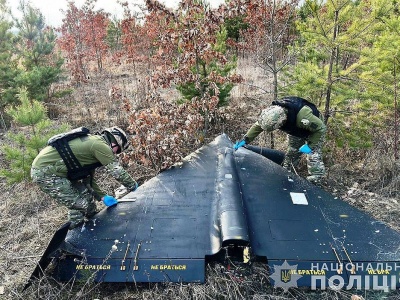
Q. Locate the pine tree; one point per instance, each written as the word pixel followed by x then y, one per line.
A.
pixel 8 64
pixel 41 65
pixel 235 25
pixel 114 35
pixel 379 67
pixel 22 147
pixel 203 69
pixel 332 36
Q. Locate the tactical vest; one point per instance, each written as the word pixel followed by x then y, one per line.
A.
pixel 293 106
pixel 60 142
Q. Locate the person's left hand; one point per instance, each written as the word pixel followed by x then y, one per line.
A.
pixel 305 149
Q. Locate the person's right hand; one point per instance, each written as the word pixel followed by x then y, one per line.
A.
pixel 239 144
pixel 109 200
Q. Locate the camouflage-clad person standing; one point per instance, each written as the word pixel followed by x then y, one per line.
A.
pixel 73 186
pixel 303 123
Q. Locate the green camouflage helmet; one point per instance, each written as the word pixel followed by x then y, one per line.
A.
pixel 119 135
pixel 272 118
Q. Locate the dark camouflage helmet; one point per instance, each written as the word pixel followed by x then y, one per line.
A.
pixel 119 135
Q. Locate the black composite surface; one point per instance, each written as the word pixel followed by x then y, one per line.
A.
pixel 219 198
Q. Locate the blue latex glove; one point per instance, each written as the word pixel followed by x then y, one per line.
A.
pixel 109 200
pixel 239 144
pixel 305 149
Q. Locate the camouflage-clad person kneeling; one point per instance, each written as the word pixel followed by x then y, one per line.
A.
pixel 304 125
pixel 65 168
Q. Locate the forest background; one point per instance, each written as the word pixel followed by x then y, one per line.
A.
pixel 175 79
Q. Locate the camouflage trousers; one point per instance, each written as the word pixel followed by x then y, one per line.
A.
pixel 74 195
pixel 315 165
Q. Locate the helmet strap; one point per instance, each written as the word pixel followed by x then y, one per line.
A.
pixel 108 138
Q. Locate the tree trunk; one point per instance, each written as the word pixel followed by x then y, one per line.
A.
pixel 332 60
pixel 396 115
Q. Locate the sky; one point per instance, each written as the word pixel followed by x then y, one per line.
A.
pixel 51 9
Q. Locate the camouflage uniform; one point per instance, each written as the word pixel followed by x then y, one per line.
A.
pixel 275 117
pixel 50 173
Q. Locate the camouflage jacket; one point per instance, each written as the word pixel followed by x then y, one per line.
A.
pixel 88 150
pixel 305 120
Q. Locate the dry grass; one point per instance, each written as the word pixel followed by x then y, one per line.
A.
pixel 29 218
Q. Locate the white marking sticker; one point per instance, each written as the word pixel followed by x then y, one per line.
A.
pixel 299 198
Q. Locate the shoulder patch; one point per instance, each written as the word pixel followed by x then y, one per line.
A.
pixel 305 122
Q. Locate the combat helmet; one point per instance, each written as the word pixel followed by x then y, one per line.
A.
pixel 272 118
pixel 118 135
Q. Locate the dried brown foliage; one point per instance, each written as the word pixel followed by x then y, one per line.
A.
pixel 186 46
pixel 82 39
pixel 165 132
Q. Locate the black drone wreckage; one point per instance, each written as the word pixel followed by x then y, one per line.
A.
pixel 223 201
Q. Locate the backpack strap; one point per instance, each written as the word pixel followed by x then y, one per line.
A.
pixel 66 154
pixel 61 143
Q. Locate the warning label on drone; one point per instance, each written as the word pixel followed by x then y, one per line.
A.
pixel 93 267
pixel 168 267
